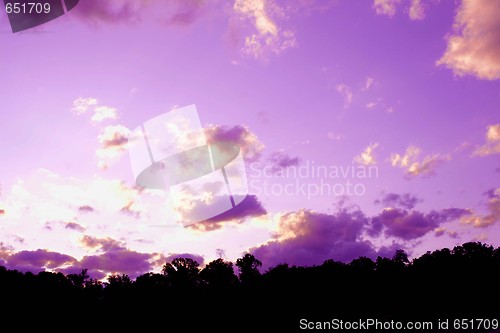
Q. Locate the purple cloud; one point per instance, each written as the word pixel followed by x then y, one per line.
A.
pixel 172 12
pixel 119 261
pixel 86 209
pixel 249 207
pixel 280 161
pixel 309 238
pixel 405 200
pixel 74 226
pixel 412 224
pixel 199 259
pixel 38 260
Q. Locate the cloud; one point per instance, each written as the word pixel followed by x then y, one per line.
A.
pixel 239 135
pixel 425 167
pixel 346 92
pixel 113 142
pixel 333 136
pixel 280 161
pixel 171 12
pixel 86 209
pixel 474 47
pixel 417 10
pixel 199 259
pixel 405 200
pixel 409 225
pixel 369 82
pixel 441 231
pixel 74 226
pixel 367 157
pixel 102 113
pixel 249 207
pixel 385 7
pixel 492 145
pixel 493 208
pixel 38 260
pixel 267 37
pixel 119 260
pixel 104 244
pixel 81 105
pixel 308 238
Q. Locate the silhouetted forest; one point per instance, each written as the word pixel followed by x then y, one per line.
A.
pixel 462 282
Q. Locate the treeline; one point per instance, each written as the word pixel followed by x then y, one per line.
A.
pixel 461 283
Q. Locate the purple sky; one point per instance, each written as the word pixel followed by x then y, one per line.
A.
pixel 409 89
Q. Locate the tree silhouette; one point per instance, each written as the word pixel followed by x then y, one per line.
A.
pixel 219 274
pixel 456 283
pixel 249 268
pixel 182 273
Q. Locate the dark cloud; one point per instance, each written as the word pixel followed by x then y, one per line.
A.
pixel 412 224
pixel 86 209
pixel 119 260
pixel 74 226
pixel 38 260
pixel 309 238
pixel 405 200
pixel 249 207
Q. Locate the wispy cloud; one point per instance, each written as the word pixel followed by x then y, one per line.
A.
pixel 346 92
pixel 367 157
pixel 416 166
pixel 417 10
pixel 493 215
pixel 385 7
pixel 492 145
pixel 267 36
pixel 100 113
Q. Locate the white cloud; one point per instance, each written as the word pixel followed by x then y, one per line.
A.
pixel 100 113
pixel 81 105
pixel 385 7
pixel 474 47
pixel 367 157
pixel 104 112
pixel 492 145
pixel 113 142
pixel 414 166
pixel 267 37
pixel 493 215
pixel 417 10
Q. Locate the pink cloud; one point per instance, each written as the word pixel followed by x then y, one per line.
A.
pixel 474 47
